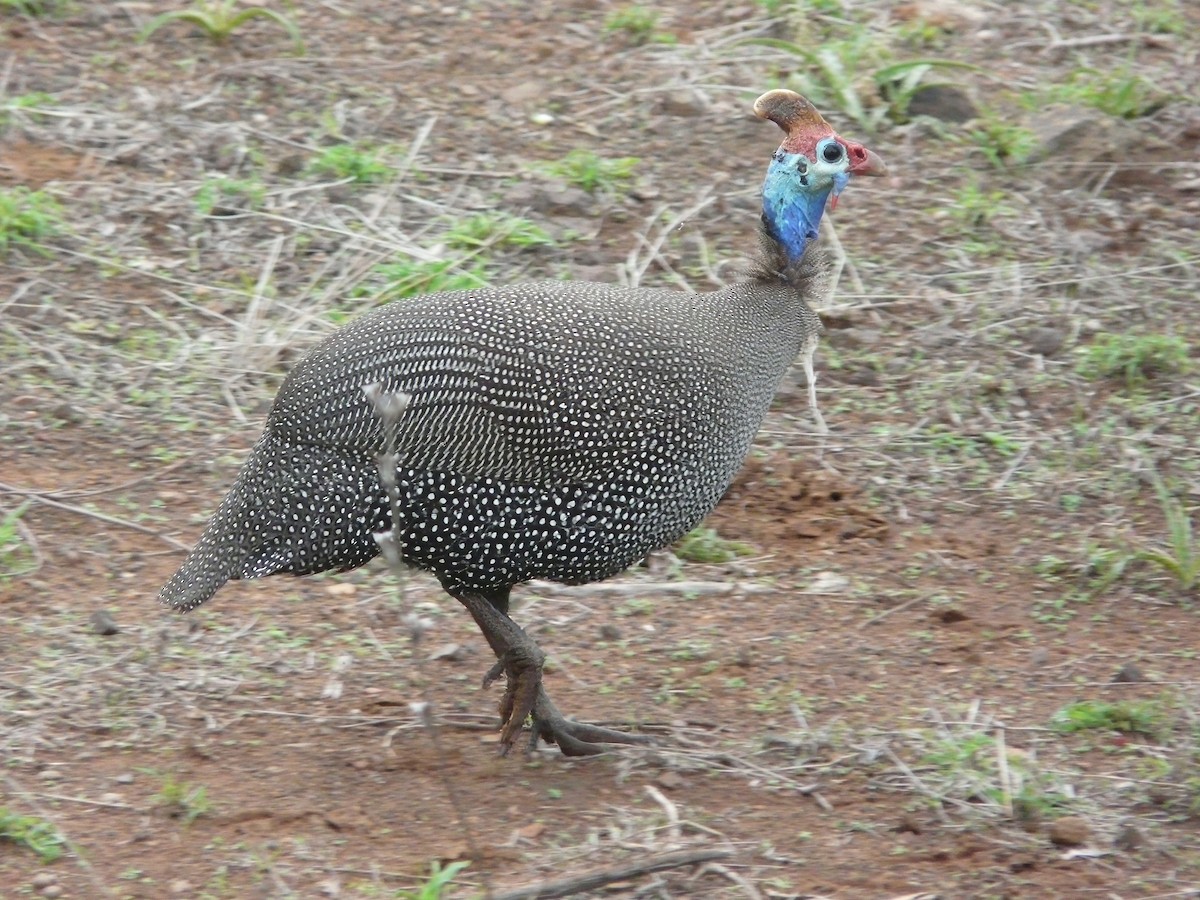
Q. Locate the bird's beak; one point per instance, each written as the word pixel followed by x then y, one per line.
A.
pixel 863 161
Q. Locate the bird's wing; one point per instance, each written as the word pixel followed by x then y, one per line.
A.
pixel 494 401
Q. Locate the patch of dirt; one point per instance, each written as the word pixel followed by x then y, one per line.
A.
pixel 870 706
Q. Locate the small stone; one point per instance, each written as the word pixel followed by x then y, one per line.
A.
pixel 858 337
pixel 949 615
pixel 451 652
pixel 610 632
pixel 43 879
pixel 51 891
pixel 103 623
pixel 523 92
pixel 670 780
pixel 1129 839
pixel 862 377
pixel 684 104
pixel 1046 341
pixel 124 778
pixel 1128 674
pixel 942 102
pixel 1069 831
pixel 180 886
pixel 65 412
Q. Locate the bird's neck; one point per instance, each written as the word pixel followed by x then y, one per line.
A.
pixel 792 219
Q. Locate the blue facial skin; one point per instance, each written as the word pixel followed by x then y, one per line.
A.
pixel 794 198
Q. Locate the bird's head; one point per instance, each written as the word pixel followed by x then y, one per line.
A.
pixel 810 168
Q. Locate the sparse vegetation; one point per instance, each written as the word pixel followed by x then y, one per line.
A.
pixel 27 218
pixel 595 174
pixel 181 800
pixel 639 25
pixel 219 19
pixel 441 878
pixel 216 191
pixel 704 545
pixel 1002 142
pixel 1143 717
pixel 1180 555
pixel 360 164
pixel 34 7
pixel 834 76
pixel 1136 358
pixel 32 833
pixel 495 229
pixel 1121 93
pixel 15 556
pixel 410 277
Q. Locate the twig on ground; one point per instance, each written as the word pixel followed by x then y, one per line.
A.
pixel 565 887
pixel 670 809
pixel 39 497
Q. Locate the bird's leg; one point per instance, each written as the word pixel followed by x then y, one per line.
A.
pixel 517 657
pixel 520 660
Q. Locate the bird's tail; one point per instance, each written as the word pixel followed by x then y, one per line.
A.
pixel 297 509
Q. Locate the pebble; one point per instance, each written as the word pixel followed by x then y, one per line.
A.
pixel 1129 839
pixel 1069 831
pixel 103 623
pixel 43 879
pixel 1046 341
pixel 1128 674
pixel 942 102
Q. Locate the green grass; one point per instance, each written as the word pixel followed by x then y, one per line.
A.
pixel 970 769
pixel 410 277
pixel 852 74
pixel 972 207
pixel 495 229
pixel 34 834
pixel 1180 556
pixel 27 218
pixel 182 800
pixel 218 191
pixel 15 555
pixel 1121 92
pixel 638 25
pixel 358 163
pixel 595 174
pixel 34 7
pixel 1143 717
pixel 1136 358
pixel 1159 16
pixel 440 879
pixel 31 101
pixel 704 545
pixel 1003 143
pixel 219 19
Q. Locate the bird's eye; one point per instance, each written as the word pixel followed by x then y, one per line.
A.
pixel 832 152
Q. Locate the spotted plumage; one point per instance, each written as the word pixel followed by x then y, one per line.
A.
pixel 556 430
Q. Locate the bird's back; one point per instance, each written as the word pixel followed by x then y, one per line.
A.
pixel 556 430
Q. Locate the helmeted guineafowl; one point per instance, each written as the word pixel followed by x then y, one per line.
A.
pixel 556 430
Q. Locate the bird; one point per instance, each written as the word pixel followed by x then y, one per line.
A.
pixel 551 430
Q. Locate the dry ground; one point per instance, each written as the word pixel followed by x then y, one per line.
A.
pixel 868 705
